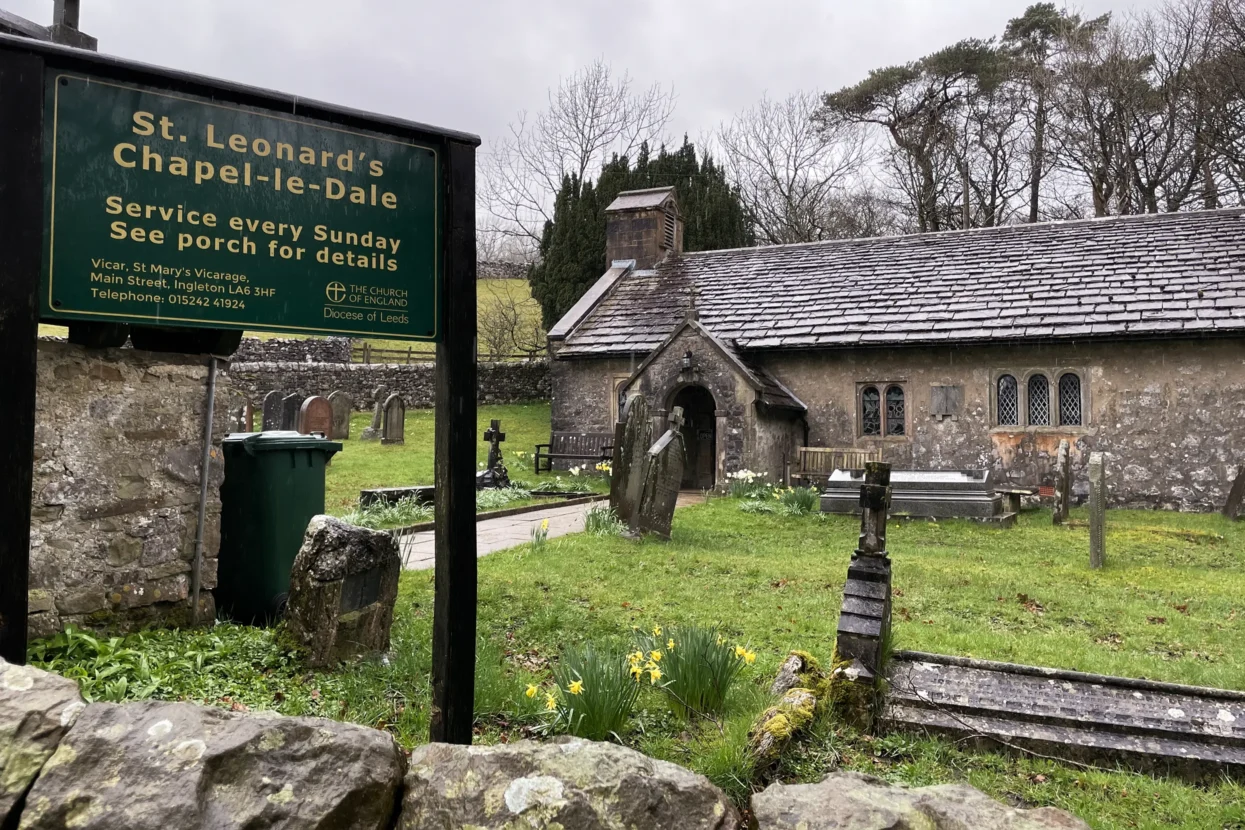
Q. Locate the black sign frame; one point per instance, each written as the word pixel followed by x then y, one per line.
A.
pixel 22 76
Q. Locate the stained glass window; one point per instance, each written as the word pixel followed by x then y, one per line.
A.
pixel 1008 404
pixel 1070 400
pixel 1039 401
pixel 870 411
pixel 894 411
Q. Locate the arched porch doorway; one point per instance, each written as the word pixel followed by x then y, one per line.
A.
pixel 699 436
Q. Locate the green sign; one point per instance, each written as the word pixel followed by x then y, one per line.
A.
pixel 166 209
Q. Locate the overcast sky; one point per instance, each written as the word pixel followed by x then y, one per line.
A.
pixel 473 65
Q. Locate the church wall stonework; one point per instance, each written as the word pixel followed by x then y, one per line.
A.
pixel 1169 414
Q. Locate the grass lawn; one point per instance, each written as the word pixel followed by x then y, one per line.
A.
pixel 1167 606
pixel 362 465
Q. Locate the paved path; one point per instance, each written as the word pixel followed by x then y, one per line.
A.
pixel 509 531
pixel 498 534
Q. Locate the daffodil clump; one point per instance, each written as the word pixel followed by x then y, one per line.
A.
pixel 745 484
pixel 786 501
pixel 593 694
pixel 540 535
pixel 601 520
pixel 695 665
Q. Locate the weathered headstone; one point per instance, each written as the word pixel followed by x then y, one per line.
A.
pixel 494 475
pixel 1063 483
pixel 315 416
pixel 663 474
pixel 865 619
pixel 342 589
pixel 393 428
pixel 272 411
pixel 1097 511
pixel 633 435
pixel 343 407
pixel 372 433
pixel 290 405
pixel 1232 507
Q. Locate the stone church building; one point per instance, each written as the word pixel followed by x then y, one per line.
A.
pixel 956 350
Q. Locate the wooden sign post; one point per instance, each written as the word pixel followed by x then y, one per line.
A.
pixel 133 195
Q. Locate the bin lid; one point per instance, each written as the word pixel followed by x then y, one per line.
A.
pixel 280 439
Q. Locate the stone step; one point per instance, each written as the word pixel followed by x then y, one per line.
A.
pixel 1184 730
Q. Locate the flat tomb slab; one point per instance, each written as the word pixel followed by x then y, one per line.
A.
pixel 941 494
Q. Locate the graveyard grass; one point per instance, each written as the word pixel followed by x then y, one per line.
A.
pixel 1169 605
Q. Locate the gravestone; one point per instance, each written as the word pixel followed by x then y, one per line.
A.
pixel 663 474
pixel 494 475
pixel 393 427
pixel 248 417
pixel 1232 507
pixel 372 433
pixel 865 619
pixel 272 411
pixel 290 405
pixel 342 590
pixel 316 415
pixel 343 407
pixel 1063 483
pixel 633 435
pixel 1097 511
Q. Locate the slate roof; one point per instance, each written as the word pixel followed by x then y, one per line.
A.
pixel 1139 276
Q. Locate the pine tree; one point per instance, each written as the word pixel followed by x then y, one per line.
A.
pixel 572 248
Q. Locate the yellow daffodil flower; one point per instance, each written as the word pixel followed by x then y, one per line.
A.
pixel 531 691
pixel 544 524
pixel 669 645
pixel 654 675
pixel 636 671
pixel 551 702
pixel 657 631
pixel 655 655
pixel 740 651
pixel 576 687
pixel 750 657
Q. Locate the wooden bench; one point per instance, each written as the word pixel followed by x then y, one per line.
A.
pixel 815 464
pixel 574 446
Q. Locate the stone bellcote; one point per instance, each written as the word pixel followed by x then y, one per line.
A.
pixel 643 225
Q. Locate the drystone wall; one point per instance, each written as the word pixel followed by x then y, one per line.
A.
pixel 326 350
pixel 118 448
pixel 497 383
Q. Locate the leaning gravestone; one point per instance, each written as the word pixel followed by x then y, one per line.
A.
pixel 343 406
pixel 315 416
pixel 1232 507
pixel 342 589
pixel 394 427
pixel 1063 483
pixel 633 435
pixel 372 433
pixel 290 405
pixel 1097 511
pixel 272 411
pixel 663 473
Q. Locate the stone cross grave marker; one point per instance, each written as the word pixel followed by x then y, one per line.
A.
pixel 1097 511
pixel 343 406
pixel 865 619
pixel 394 426
pixel 495 475
pixel 289 410
pixel 663 474
pixel 342 590
pixel 316 416
pixel 1063 483
pixel 633 435
pixel 372 433
pixel 272 411
pixel 1232 507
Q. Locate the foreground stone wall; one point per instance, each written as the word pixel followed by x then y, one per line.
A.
pixel 116 487
pixel 152 765
pixel 1170 415
pixel 307 350
pixel 497 383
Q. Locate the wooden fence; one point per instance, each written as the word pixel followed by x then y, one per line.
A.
pixel 423 353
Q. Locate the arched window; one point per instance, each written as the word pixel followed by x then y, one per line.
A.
pixel 1070 400
pixel 1039 401
pixel 1007 406
pixel 870 411
pixel 894 411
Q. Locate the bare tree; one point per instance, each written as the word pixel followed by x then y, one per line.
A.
pixel 591 116
pixel 508 324
pixel 788 169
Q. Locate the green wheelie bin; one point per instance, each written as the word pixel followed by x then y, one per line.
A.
pixel 274 484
